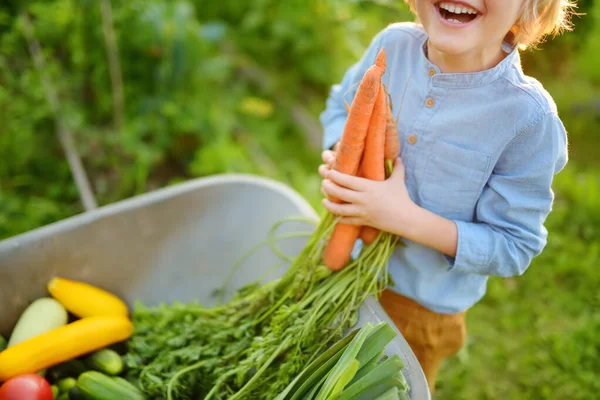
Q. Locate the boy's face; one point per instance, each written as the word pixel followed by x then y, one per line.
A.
pixel 469 26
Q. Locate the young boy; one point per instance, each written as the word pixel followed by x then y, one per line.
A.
pixel 481 143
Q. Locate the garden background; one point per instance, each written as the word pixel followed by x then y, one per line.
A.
pixel 156 92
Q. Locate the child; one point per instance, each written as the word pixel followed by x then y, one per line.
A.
pixel 480 144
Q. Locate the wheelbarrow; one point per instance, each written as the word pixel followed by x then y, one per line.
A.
pixel 173 244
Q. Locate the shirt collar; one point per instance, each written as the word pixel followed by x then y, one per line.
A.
pixel 468 79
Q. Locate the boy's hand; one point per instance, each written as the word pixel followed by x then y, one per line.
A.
pixel 385 205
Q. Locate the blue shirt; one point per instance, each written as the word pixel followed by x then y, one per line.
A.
pixel 480 149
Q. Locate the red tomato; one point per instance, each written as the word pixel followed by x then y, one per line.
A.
pixel 26 387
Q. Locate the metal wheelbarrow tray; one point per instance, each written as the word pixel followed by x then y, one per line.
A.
pixel 174 244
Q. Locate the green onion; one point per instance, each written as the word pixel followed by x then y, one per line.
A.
pixel 391 394
pixel 387 369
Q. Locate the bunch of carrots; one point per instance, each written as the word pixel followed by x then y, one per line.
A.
pixel 368 148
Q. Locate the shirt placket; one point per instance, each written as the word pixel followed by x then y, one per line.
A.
pixel 419 138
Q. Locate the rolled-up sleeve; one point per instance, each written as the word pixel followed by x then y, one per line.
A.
pixel 508 230
pixel 333 117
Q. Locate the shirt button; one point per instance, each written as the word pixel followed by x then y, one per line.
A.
pixel 430 102
pixel 431 72
pixel 412 139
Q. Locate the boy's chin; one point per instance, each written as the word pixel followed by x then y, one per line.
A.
pixel 449 46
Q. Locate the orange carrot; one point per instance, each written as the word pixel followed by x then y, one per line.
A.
pixel 373 160
pixel 352 144
pixel 339 248
pixel 392 141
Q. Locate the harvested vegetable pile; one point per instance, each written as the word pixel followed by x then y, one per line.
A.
pixel 255 345
pixel 60 347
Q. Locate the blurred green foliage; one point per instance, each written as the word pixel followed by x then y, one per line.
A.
pixel 213 87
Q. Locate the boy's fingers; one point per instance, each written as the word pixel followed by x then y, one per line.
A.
pixel 323 168
pixel 342 210
pixel 351 182
pixel 328 157
pixel 331 189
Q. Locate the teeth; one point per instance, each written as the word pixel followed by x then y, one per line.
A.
pixel 453 8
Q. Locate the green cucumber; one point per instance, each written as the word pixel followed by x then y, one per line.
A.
pixel 41 316
pixel 3 343
pixel 106 361
pixel 97 386
pixel 65 384
pixel 125 383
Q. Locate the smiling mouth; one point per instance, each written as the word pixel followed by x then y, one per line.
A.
pixel 457 13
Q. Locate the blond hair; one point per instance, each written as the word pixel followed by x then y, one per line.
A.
pixel 538 19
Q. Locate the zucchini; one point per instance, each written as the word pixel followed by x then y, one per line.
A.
pixel 97 386
pixel 106 361
pixel 65 384
pixel 41 316
pixel 3 343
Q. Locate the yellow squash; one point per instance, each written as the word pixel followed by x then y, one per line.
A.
pixel 64 343
pixel 85 300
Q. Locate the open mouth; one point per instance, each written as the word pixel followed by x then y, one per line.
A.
pixel 457 13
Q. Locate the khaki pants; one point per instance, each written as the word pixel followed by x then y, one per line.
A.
pixel 433 337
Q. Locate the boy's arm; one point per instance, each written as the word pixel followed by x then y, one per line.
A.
pixel 509 229
pixel 333 118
